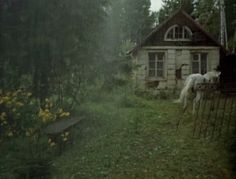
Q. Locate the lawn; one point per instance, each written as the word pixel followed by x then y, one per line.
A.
pixel 131 137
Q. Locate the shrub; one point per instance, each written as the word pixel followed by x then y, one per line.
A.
pixel 25 148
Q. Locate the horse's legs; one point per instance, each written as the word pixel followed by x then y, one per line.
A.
pixel 196 100
pixel 185 100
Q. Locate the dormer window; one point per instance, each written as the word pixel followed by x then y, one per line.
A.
pixel 178 33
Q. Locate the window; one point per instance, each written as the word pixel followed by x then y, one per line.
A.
pixel 178 33
pixel 199 63
pixel 156 64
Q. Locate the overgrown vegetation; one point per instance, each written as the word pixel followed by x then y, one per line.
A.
pixel 61 58
pixel 26 151
pixel 137 138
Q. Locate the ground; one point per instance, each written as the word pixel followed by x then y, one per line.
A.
pixel 132 137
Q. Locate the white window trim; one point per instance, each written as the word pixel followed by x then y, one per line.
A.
pixel 164 66
pixel 178 39
pixel 199 61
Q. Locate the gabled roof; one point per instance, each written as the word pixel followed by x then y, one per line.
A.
pixel 182 12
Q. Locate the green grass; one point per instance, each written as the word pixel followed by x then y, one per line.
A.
pixel 131 137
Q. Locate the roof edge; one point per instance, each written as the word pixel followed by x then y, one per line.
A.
pixel 164 22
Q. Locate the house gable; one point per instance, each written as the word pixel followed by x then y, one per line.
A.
pixel 180 18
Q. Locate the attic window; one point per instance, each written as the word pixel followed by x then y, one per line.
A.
pixel 178 33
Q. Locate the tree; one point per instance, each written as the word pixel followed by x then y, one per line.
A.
pixel 207 13
pixel 128 22
pixel 230 10
pixel 48 42
pixel 169 6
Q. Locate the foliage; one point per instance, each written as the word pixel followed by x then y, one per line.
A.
pixel 22 123
pixel 25 157
pixel 230 10
pixel 170 6
pixel 207 13
pixel 127 23
pixel 52 43
pixel 22 115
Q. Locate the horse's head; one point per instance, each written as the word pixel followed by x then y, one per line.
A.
pixel 212 76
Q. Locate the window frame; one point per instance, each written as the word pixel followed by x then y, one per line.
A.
pixel 199 61
pixel 156 69
pixel 185 31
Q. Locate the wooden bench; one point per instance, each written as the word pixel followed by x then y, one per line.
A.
pixel 57 128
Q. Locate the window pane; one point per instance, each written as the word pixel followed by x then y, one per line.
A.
pixel 160 73
pixel 160 56
pixel 170 35
pixel 187 34
pixel 203 56
pixel 195 57
pixel 195 67
pixel 160 65
pixel 156 64
pixel 178 32
pixel 151 64
pixel 151 72
pixel 151 56
pixel 203 63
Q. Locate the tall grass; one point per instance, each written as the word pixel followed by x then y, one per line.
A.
pixel 127 136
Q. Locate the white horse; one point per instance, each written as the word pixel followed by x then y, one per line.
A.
pixel 190 86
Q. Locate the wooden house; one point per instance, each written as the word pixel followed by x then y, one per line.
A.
pixel 174 49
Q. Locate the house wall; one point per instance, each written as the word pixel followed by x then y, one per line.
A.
pixel 174 58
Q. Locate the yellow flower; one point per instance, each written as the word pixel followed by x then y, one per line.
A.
pixel 27 133
pixel 18 91
pixel 46 115
pixel 10 134
pixel 65 136
pixel 60 110
pixel 4 123
pixel 67 133
pixel 64 114
pixel 5 98
pixel 3 116
pixel 52 144
pixel 19 104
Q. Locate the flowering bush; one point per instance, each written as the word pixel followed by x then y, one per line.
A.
pixel 22 115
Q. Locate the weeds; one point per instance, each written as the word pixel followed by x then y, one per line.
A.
pixel 131 137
